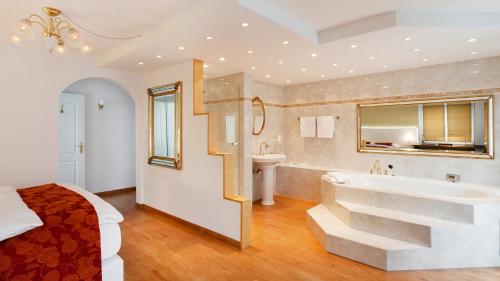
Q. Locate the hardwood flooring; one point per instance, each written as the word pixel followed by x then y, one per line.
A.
pixel 158 248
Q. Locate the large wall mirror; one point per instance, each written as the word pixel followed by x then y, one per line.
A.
pixel 459 127
pixel 165 125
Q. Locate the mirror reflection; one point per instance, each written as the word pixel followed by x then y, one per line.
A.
pixel 165 125
pixel 455 127
pixel 259 116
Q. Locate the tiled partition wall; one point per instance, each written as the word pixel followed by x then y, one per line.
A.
pixel 340 96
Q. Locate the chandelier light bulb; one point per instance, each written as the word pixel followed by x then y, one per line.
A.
pixel 25 25
pixel 73 34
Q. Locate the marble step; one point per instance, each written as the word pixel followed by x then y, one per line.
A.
pixel 430 207
pixel 399 225
pixel 375 250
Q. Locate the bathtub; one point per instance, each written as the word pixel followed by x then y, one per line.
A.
pixel 418 187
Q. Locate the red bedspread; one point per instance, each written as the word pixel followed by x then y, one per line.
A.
pixel 67 247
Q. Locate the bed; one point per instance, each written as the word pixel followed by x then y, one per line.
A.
pixel 105 218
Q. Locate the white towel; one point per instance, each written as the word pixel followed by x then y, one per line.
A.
pixel 326 126
pixel 308 127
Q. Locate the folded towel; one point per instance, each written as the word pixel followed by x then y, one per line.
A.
pixel 326 126
pixel 308 127
pixel 339 177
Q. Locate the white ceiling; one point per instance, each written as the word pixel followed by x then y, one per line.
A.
pixel 170 24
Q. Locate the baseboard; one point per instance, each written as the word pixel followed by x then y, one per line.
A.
pixel 116 191
pixel 209 232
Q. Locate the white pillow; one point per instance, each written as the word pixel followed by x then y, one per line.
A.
pixel 5 189
pixel 15 216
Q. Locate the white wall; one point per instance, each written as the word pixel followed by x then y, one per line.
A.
pixel 32 81
pixel 109 135
pixel 194 193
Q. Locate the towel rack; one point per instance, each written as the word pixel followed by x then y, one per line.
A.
pixel 336 117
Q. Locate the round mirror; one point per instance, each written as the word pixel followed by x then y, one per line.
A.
pixel 259 116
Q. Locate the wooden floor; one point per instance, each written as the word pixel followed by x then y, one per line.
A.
pixel 156 248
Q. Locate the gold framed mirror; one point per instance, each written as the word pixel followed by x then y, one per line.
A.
pixel 165 125
pixel 453 127
pixel 259 116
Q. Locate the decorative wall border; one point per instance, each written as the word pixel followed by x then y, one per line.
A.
pixel 477 92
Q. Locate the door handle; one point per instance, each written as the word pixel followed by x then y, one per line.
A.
pixel 81 147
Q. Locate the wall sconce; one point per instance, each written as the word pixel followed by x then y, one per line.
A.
pixel 100 105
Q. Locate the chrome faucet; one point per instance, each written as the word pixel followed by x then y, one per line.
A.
pixel 263 147
pixel 452 177
pixel 377 168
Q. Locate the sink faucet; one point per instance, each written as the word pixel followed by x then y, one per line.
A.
pixel 263 147
pixel 377 168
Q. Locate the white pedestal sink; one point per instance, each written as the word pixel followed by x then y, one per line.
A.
pixel 268 163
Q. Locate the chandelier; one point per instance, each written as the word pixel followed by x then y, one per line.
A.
pixel 57 30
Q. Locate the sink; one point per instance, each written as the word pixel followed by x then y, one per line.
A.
pixel 267 164
pixel 269 159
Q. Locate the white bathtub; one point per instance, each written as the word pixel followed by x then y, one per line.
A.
pixel 414 186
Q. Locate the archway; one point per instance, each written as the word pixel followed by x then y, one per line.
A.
pixel 97 136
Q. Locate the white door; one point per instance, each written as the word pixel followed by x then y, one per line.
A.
pixel 72 139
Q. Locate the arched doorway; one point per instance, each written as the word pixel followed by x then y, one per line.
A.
pixel 97 136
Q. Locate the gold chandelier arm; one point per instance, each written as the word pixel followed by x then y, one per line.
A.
pixel 34 18
pixel 60 22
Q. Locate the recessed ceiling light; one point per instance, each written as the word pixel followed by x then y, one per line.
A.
pixel 288 81
pixel 335 64
pixel 321 89
pixel 407 38
pixel 258 85
pixel 253 67
pixel 158 56
pixel 425 60
pixel 470 40
pixel 314 55
pixel 322 76
pixel 268 76
pixel 304 69
pixel 384 66
pixel 371 58
pixel 205 66
pixel 280 62
pixel 140 63
pixel 285 42
pixel 386 87
pixel 354 46
pixel 209 38
pixel 475 71
pixel 416 50
pixel 351 71
pixel 244 24
pixel 473 53
pixel 222 59
pixel 250 52
pixel 181 48
pixel 226 83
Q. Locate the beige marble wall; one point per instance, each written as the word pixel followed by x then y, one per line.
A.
pixel 340 152
pixel 224 88
pixel 272 95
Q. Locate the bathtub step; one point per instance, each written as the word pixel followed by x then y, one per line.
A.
pixel 375 250
pixel 395 224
